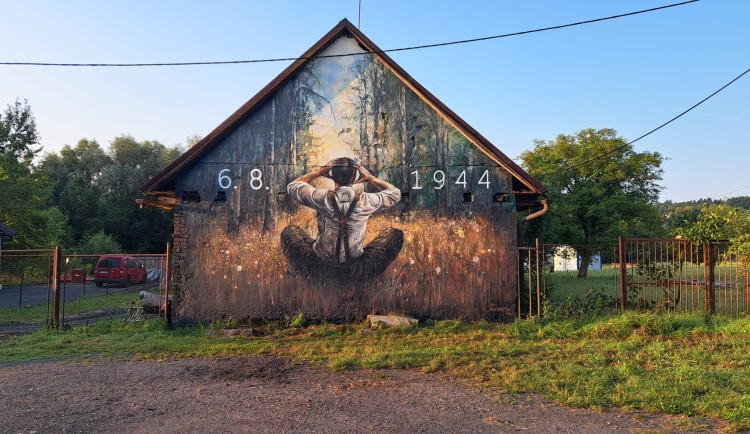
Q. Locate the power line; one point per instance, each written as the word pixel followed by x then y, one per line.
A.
pixel 733 191
pixel 648 133
pixel 416 47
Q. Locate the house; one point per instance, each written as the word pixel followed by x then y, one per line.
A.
pixel 344 98
pixel 5 232
pixel 566 258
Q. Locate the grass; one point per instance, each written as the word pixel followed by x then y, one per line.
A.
pixel 563 285
pixel 38 314
pixel 688 364
pixel 560 284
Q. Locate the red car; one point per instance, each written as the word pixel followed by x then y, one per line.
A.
pixel 119 269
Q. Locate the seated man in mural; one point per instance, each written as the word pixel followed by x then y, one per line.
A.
pixel 338 251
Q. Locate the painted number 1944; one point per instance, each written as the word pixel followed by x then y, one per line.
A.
pixel 439 178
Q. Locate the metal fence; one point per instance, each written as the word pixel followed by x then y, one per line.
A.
pixel 541 263
pixel 47 277
pixel 679 275
pixel 26 277
pixel 645 274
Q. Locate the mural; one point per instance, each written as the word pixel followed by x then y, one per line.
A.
pixel 342 214
pixel 346 194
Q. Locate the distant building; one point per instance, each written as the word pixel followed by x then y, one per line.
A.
pixel 5 232
pixel 568 259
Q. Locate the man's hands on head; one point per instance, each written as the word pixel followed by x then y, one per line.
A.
pixel 364 174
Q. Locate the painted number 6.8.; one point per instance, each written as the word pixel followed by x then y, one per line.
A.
pixel 256 179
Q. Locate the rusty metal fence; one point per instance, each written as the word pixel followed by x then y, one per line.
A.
pixel 47 277
pixel 677 275
pixel 645 274
pixel 538 264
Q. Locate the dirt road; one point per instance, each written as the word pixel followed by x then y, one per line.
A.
pixel 267 394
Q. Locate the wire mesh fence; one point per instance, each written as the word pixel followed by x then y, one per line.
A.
pixel 27 277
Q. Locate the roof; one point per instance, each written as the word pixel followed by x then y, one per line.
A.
pixel 164 181
pixel 6 231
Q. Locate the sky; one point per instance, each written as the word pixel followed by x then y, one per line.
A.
pixel 631 74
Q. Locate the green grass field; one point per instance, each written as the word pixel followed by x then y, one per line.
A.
pixel 38 314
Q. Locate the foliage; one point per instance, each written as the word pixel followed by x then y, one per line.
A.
pixel 77 173
pixel 717 222
pixel 679 364
pixel 679 215
pixel 24 192
pixel 98 243
pixel 721 222
pixel 97 191
pixel 79 191
pixel 18 135
pixel 594 203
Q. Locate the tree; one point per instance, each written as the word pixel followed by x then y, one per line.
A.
pixel 18 135
pixel 76 172
pixel 132 164
pixel 595 202
pixel 714 223
pixel 24 192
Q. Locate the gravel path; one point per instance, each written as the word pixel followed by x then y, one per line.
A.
pixel 268 394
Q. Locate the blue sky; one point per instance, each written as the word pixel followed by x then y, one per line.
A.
pixel 631 74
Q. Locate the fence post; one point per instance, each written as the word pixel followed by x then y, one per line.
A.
pixel 520 279
pixel 623 274
pixel 20 288
pixel 711 294
pixel 746 291
pixel 538 282
pixel 56 260
pixel 168 272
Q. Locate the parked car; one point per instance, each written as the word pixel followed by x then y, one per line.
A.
pixel 119 269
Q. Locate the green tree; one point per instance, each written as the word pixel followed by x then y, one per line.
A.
pixel 76 172
pixel 595 202
pixel 132 164
pixel 719 222
pixel 18 135
pixel 25 192
pixel 715 222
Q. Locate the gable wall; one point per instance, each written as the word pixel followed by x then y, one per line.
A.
pixel 458 259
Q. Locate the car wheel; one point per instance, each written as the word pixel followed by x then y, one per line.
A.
pixel 98 284
pixel 127 282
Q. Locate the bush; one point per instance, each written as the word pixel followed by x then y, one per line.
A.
pixel 99 243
